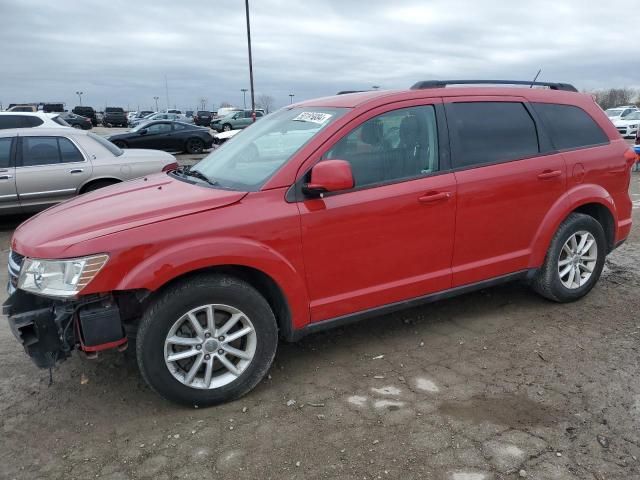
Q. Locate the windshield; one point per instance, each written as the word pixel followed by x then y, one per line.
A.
pixel 613 112
pixel 248 160
pixel 106 144
pixel 633 116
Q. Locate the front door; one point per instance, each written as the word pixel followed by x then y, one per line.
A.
pixel 508 179
pixel 389 238
pixel 8 196
pixel 49 170
pixel 156 137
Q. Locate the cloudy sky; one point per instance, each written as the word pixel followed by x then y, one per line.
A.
pixel 118 52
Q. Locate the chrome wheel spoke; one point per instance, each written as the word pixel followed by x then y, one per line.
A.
pixel 238 334
pixel 194 369
pixel 572 275
pixel 184 341
pixel 228 365
pixel 564 262
pixel 182 355
pixel 208 372
pixel 235 352
pixel 566 271
pixel 235 318
pixel 211 320
pixel 586 246
pixel 196 325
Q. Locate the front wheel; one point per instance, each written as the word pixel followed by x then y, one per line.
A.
pixel 574 261
pixel 206 340
pixel 226 127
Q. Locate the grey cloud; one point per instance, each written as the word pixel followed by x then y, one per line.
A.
pixel 118 52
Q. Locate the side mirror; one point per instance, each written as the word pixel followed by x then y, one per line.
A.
pixel 142 131
pixel 329 176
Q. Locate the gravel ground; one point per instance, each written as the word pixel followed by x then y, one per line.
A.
pixel 499 384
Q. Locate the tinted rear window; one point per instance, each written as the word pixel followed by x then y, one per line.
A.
pixel 491 132
pixel 19 121
pixel 570 127
pixel 5 152
pixel 113 110
pixel 203 112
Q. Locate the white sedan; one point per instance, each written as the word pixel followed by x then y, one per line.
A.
pixel 31 120
pixel 628 126
pixel 40 167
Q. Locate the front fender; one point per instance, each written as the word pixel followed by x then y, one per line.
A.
pixel 175 260
pixel 576 197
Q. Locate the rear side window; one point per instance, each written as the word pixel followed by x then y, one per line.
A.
pixel 491 132
pixel 19 121
pixel 5 152
pixel 570 126
pixel 48 151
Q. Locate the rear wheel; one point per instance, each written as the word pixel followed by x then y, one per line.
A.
pixel 194 145
pixel 574 261
pixel 206 340
pixel 98 185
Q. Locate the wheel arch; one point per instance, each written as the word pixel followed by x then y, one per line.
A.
pixel 94 180
pixel 262 282
pixel 592 200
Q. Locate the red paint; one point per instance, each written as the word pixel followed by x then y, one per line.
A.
pixel 347 251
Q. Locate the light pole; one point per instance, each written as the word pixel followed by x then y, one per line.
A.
pixel 253 102
pixel 156 99
pixel 291 95
pixel 80 96
pixel 244 97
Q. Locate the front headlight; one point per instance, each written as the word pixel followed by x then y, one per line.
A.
pixel 635 125
pixel 59 278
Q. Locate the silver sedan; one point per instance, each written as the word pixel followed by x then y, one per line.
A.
pixel 41 167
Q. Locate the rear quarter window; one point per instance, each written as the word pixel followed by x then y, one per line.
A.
pixel 19 121
pixel 570 127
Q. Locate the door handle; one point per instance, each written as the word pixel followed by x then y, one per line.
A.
pixel 5 177
pixel 76 170
pixel 547 174
pixel 434 197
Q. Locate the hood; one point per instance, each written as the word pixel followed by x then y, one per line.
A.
pixel 113 209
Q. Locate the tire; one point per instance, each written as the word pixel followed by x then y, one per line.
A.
pixel 548 281
pixel 120 144
pixel 77 125
pixel 226 127
pixel 194 145
pixel 158 324
pixel 98 185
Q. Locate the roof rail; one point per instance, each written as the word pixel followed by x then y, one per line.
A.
pixel 443 83
pixel 346 92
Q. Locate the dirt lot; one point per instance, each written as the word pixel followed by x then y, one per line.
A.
pixel 496 384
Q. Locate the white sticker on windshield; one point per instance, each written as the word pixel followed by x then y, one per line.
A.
pixel 315 117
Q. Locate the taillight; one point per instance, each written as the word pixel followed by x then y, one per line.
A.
pixel 170 166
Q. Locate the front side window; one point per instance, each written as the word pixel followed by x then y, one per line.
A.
pixel 392 146
pixel 249 159
pixel 491 132
pixel 158 128
pixel 5 152
pixel 570 127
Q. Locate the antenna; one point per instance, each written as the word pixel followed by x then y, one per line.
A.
pixel 535 78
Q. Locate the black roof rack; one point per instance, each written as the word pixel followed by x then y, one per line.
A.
pixel 443 83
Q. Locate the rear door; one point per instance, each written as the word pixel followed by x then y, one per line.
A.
pixel 508 178
pixel 8 196
pixel 49 169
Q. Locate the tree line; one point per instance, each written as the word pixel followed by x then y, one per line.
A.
pixel 615 97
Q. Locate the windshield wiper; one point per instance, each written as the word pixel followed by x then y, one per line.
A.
pixel 187 172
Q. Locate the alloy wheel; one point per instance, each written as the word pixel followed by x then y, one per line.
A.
pixel 577 259
pixel 210 346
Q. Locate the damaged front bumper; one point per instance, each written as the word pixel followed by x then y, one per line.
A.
pixel 49 330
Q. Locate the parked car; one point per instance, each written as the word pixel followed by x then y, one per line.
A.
pixel 203 118
pixel 23 108
pixel 131 115
pixel 173 110
pixel 87 112
pixel 628 126
pixel 30 120
pixel 620 113
pixel 53 107
pixel 41 167
pixel 165 135
pixel 114 117
pixel 224 111
pixel 156 116
pixel 189 114
pixel 333 210
pixel 234 121
pixel 77 121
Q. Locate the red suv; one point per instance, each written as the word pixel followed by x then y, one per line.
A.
pixel 326 211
